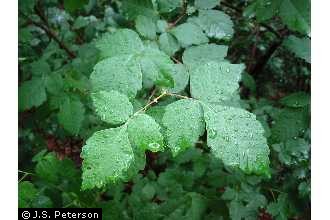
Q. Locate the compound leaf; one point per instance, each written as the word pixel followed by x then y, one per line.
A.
pixel 237 138
pixel 107 155
pixel 112 107
pixel 184 123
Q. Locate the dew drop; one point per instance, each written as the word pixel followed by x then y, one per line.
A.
pixel 212 133
pixel 153 146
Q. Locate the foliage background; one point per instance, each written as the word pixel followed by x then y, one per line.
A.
pixel 57 54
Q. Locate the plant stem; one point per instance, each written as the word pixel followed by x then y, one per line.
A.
pixel 155 100
pixel 24 176
pixel 51 34
pixel 178 96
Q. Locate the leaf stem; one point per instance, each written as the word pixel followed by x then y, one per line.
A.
pixel 155 100
pixel 24 176
pixel 178 96
pixel 20 171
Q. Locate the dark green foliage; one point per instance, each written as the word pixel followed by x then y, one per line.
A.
pixel 155 109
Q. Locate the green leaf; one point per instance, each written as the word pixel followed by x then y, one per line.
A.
pixel 197 55
pixel 146 27
pixel 31 93
pixel 289 123
pixel 168 44
pixel 281 208
pixel 245 202
pixel 189 34
pixel 107 155
pixel 121 42
pixel 214 23
pixel 30 197
pixel 54 83
pixel 148 191
pixel 156 68
pixel 292 151
pixel 296 100
pixel 26 6
pixel 71 115
pixel 80 22
pixel 265 10
pixel 157 112
pixel 184 123
pixel 76 81
pixel 40 68
pixel 215 82
pixel 180 76
pixel 121 73
pixel 25 35
pixel 42 201
pixel 112 107
pixel 136 165
pixel 236 210
pixel 26 194
pixel 133 8
pixel 301 47
pixel 162 26
pixel 296 15
pixel 197 204
pixel 206 4
pixel 304 189
pixel 144 132
pixel 237 138
pixel 166 6
pixel 73 5
pixel 47 168
pixel 249 82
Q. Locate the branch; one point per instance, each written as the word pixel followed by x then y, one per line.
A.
pixel 239 11
pixel 176 60
pixel 262 61
pixel 182 15
pixel 51 34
